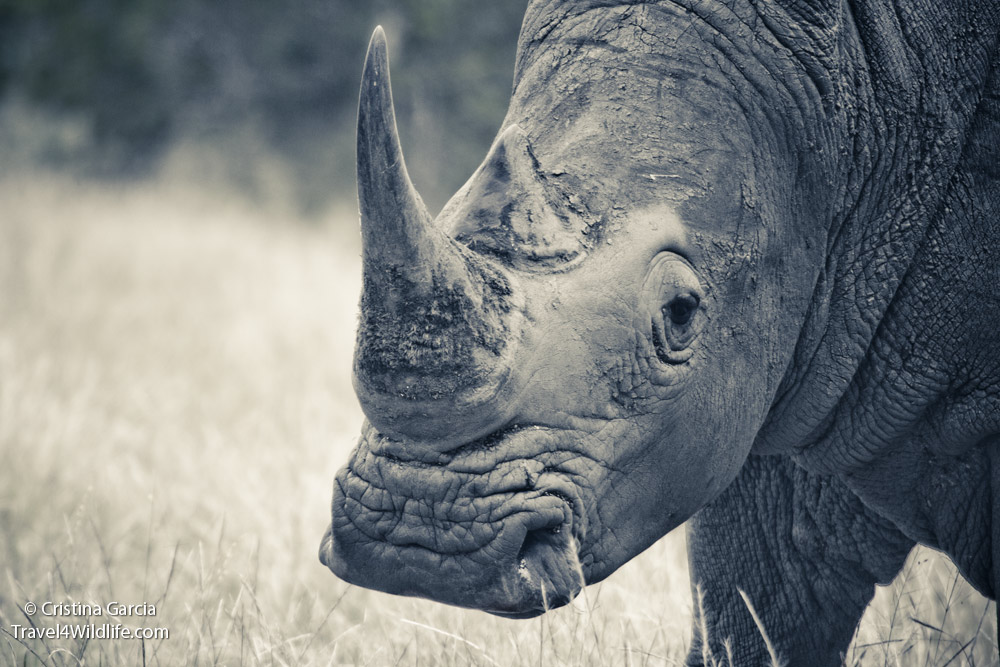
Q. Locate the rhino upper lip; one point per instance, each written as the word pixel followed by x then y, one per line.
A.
pixel 473 459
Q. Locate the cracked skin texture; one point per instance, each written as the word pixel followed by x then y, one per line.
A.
pixel 822 176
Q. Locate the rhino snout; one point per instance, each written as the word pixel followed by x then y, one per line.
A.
pixel 507 550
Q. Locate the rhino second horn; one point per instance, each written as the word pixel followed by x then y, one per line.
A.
pixel 433 331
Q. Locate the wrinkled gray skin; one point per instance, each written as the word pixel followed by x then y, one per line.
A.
pixel 732 261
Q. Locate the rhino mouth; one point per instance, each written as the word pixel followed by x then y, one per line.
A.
pixel 484 530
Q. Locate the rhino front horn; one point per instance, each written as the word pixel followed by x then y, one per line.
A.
pixel 434 332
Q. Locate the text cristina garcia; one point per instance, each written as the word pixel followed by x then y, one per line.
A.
pixel 117 609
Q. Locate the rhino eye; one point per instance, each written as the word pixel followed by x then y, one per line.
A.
pixel 678 326
pixel 674 297
pixel 681 309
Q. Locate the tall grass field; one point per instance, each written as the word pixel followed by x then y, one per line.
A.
pixel 175 400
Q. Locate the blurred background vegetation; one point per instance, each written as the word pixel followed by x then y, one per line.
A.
pixel 259 95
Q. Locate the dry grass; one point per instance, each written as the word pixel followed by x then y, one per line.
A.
pixel 174 402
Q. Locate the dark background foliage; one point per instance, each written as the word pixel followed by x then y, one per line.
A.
pixel 255 80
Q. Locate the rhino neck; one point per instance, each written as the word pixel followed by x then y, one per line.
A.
pixel 896 375
pixel 899 231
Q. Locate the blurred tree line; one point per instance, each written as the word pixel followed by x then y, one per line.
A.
pixel 260 79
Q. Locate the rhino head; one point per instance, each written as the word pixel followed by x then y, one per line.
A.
pixel 579 351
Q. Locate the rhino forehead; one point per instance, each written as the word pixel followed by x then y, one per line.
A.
pixel 787 54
